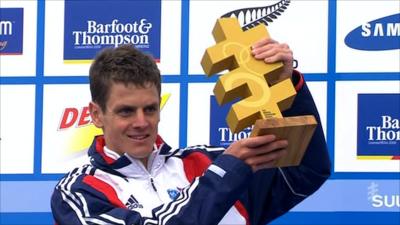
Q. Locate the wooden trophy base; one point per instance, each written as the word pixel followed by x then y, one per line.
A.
pixel 297 130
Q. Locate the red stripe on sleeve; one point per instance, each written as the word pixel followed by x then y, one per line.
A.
pixel 300 83
pixel 242 210
pixel 195 164
pixel 104 188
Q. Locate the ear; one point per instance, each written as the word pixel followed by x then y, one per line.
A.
pixel 96 114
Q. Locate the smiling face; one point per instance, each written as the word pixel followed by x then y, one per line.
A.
pixel 130 120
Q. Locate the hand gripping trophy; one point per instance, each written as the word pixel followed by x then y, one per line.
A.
pixel 262 95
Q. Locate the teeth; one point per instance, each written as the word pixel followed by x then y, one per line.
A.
pixel 138 137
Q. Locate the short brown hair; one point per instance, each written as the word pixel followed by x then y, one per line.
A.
pixel 124 64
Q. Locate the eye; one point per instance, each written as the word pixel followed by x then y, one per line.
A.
pixel 125 112
pixel 151 109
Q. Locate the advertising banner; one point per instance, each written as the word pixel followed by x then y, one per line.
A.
pixel 11 31
pixel 133 22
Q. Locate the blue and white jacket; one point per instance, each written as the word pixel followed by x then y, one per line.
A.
pixel 191 186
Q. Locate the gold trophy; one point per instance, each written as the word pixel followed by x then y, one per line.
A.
pixel 263 96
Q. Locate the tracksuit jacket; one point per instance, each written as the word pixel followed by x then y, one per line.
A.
pixel 192 186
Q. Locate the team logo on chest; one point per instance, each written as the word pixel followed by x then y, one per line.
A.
pixel 173 193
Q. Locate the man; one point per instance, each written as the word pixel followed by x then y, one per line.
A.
pixel 136 178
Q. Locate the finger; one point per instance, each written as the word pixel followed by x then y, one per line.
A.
pixel 262 42
pixel 270 147
pixel 269 48
pixel 264 149
pixel 254 142
pixel 266 44
pixel 268 160
pixel 285 57
pixel 262 52
pixel 271 52
pixel 284 46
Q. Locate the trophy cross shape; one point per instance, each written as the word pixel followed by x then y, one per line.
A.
pixel 262 95
pixel 251 80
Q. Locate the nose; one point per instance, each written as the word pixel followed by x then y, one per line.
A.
pixel 140 120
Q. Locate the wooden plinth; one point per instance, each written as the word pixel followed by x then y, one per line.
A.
pixel 296 130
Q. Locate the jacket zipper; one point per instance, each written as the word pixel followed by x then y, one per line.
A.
pixel 152 184
pixel 154 187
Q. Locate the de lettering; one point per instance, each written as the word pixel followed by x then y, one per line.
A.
pixel 75 117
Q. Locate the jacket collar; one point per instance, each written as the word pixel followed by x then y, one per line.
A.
pixel 126 166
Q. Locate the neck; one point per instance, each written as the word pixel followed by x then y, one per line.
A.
pixel 144 161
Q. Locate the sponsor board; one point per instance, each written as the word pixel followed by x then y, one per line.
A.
pixel 55 65
pixel 377 35
pixel 378 130
pixel 17 128
pixel 11 31
pixel 359 125
pixel 368 42
pixel 18 33
pixel 366 196
pixel 88 31
pixel 68 130
pixel 280 16
pixel 220 134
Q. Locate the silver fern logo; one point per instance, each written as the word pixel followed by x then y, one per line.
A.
pixel 373 189
pixel 251 17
